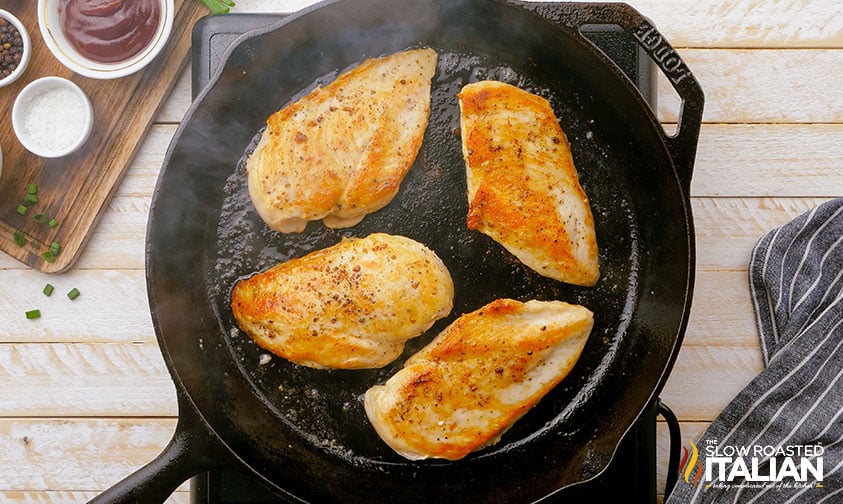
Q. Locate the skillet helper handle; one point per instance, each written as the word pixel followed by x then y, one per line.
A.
pixel 682 145
pixel 193 449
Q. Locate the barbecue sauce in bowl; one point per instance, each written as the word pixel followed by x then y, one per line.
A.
pixel 110 31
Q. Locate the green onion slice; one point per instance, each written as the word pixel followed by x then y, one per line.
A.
pixel 74 293
pixel 30 199
pixel 22 209
pixel 48 290
pixel 20 239
pixel 33 314
pixel 31 189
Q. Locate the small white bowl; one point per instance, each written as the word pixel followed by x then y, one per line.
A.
pixel 27 48
pixel 52 117
pixel 53 34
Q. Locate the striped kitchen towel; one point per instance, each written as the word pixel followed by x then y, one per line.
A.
pixel 780 440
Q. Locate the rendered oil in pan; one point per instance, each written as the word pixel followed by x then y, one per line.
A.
pixel 325 406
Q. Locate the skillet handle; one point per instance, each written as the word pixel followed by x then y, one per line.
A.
pixel 675 444
pixel 193 449
pixel 682 145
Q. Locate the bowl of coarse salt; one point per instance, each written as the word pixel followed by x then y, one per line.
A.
pixel 52 117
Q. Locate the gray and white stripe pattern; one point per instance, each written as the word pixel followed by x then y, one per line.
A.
pixel 796 283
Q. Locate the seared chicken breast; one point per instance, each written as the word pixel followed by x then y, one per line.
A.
pixel 523 189
pixel 349 306
pixel 341 151
pixel 477 377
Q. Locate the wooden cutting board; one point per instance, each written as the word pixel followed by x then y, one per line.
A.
pixel 75 190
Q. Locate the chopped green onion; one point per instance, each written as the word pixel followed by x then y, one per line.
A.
pixel 55 248
pixel 33 314
pixel 30 199
pixel 32 189
pixel 74 293
pixel 41 218
pixel 22 209
pixel 48 290
pixel 49 256
pixel 53 223
pixel 20 239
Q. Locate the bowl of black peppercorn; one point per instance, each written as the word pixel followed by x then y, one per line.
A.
pixel 15 48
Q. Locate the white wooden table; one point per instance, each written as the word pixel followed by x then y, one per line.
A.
pixel 85 397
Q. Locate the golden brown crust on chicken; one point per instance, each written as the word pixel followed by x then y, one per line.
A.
pixel 341 151
pixel 523 189
pixel 349 306
pixel 477 377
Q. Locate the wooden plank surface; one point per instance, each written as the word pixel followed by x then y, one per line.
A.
pixel 70 497
pixel 763 86
pixel 758 24
pixel 40 447
pixel 770 149
pixel 105 449
pixel 75 189
pixel 123 446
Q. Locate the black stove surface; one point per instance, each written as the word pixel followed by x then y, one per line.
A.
pixel 631 476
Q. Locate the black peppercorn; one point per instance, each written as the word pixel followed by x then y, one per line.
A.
pixel 11 48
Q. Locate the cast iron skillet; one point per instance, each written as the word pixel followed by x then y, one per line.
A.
pixel 304 432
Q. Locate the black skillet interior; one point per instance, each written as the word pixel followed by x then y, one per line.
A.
pixel 304 430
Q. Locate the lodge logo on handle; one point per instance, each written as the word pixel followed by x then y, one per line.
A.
pixel 664 55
